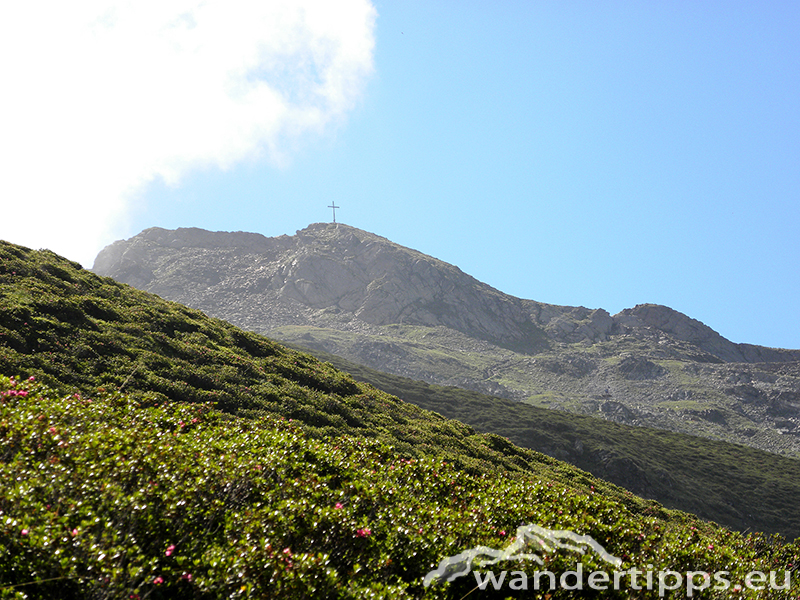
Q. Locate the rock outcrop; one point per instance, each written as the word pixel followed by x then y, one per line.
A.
pixel 328 274
pixel 680 327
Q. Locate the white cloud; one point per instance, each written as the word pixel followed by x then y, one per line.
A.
pixel 98 98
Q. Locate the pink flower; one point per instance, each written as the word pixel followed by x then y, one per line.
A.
pixel 363 532
pixel 158 580
pixel 31 378
pixel 338 506
pixel 24 532
pixel 170 550
pixel 74 532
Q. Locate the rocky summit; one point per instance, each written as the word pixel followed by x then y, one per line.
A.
pixel 336 288
pixel 325 275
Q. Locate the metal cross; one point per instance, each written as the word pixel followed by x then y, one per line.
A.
pixel 334 207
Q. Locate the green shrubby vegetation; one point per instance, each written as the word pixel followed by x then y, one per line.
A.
pixel 149 451
pixel 739 486
pixel 113 497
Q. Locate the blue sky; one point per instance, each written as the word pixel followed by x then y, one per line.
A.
pixel 578 153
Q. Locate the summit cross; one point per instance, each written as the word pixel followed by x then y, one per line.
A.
pixel 334 207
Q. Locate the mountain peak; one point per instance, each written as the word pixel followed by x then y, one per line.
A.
pixel 328 274
pixel 339 276
pixel 336 288
pixel 682 327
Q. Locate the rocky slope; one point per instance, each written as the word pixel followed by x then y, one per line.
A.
pixel 325 275
pixel 349 292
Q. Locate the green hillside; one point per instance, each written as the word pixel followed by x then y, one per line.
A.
pixel 738 486
pixel 149 451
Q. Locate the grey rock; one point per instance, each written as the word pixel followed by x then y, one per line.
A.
pixel 328 273
pixel 681 327
pixel 639 368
